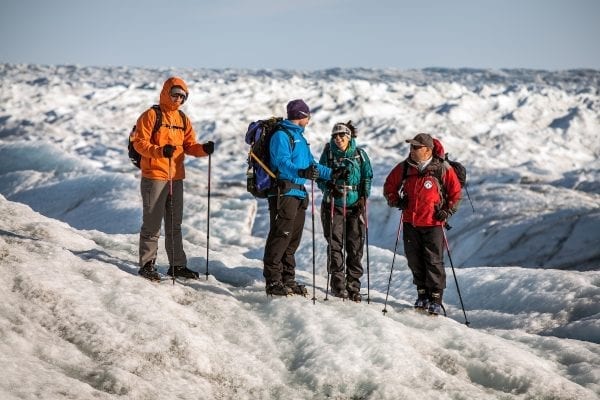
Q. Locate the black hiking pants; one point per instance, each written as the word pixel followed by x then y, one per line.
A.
pixel 287 222
pixel 424 250
pixel 340 279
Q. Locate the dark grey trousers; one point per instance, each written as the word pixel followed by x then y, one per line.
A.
pixel 424 250
pixel 156 208
pixel 287 222
pixel 354 247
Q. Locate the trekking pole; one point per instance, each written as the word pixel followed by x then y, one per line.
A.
pixel 312 199
pixel 208 217
pixel 367 243
pixel 329 251
pixel 393 260
pixel 467 323
pixel 344 234
pixel 469 197
pixel 172 224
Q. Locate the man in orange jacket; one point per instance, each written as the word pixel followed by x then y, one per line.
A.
pixel 427 189
pixel 162 178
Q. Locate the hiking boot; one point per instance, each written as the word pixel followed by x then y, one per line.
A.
pixel 296 288
pixel 435 309
pixel 183 272
pixel 342 293
pixel 278 289
pixel 422 302
pixel 149 272
pixel 355 296
pixel 435 304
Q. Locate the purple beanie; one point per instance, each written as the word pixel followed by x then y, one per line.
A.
pixel 297 109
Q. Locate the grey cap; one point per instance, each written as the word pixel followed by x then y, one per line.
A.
pixel 422 139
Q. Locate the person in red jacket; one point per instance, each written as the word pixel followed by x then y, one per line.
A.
pixel 162 178
pixel 427 189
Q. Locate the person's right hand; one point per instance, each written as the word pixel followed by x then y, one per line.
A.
pixel 340 173
pixel 168 150
pixel 311 173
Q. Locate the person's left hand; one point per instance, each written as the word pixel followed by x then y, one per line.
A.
pixel 442 215
pixel 361 205
pixel 209 147
pixel 340 173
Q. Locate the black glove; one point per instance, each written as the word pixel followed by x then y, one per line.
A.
pixel 333 189
pixel 340 173
pixel 311 173
pixel 442 215
pixel 361 205
pixel 209 147
pixel 401 203
pixel 168 150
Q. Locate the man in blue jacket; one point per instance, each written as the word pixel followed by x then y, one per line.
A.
pixel 292 161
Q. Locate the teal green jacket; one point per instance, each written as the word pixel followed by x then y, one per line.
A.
pixel 361 173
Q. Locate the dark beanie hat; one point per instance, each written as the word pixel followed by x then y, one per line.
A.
pixel 297 109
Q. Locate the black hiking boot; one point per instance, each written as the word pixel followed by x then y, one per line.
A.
pixel 149 272
pixel 278 289
pixel 355 296
pixel 297 288
pixel 422 302
pixel 435 305
pixel 342 293
pixel 183 272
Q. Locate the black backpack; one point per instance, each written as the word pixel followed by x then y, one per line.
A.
pixel 260 180
pixel 459 169
pixel 134 156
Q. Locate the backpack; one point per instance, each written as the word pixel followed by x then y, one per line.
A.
pixel 134 156
pixel 260 180
pixel 459 169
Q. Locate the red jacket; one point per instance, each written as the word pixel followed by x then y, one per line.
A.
pixel 154 165
pixel 423 191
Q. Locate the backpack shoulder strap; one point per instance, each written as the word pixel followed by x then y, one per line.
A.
pixel 183 119
pixel 329 154
pixel 404 171
pixel 158 120
pixel 361 154
pixel 282 128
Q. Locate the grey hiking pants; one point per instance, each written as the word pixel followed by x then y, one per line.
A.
pixel 156 208
pixel 350 277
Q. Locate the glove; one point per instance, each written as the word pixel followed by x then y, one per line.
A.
pixel 401 203
pixel 311 173
pixel 333 189
pixel 340 173
pixel 361 205
pixel 168 150
pixel 209 147
pixel 442 215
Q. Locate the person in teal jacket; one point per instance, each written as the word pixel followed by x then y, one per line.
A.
pixel 292 161
pixel 348 193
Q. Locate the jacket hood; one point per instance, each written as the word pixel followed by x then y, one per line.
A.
pixel 165 95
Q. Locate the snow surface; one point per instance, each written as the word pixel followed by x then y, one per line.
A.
pixel 76 322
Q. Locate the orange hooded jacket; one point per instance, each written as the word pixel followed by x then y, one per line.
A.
pixel 154 165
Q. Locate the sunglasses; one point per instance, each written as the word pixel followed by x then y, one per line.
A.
pixel 340 135
pixel 178 95
pixel 414 147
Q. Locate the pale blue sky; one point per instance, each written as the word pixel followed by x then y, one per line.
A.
pixel 306 35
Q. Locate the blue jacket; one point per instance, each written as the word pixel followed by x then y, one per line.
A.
pixel 286 160
pixel 361 173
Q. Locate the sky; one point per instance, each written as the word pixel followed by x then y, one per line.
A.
pixel 304 35
pixel 77 322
